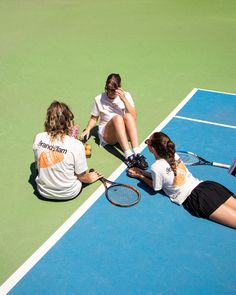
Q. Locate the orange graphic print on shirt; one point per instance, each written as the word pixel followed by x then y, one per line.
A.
pixel 49 158
pixel 181 174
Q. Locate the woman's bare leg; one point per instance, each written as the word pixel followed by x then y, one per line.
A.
pixel 131 129
pixel 231 202
pixel 115 131
pixel 226 213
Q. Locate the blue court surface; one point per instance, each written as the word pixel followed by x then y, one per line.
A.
pixel 155 247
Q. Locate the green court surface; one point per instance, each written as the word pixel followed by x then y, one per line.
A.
pixel 64 49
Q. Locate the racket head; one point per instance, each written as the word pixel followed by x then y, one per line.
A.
pixel 191 159
pixel 122 195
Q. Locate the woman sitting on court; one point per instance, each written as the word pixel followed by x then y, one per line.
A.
pixel 206 199
pixel 116 110
pixel 61 160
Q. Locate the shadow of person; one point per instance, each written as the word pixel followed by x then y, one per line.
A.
pixel 113 149
pixel 148 189
pixel 32 181
pixel 94 134
pixel 151 191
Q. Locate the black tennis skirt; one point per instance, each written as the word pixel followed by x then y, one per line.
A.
pixel 205 198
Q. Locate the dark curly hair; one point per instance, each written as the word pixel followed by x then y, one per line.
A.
pixel 59 120
pixel 164 147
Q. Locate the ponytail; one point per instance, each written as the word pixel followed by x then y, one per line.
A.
pixel 171 156
pixel 165 148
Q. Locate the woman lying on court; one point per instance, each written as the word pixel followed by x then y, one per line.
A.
pixel 206 199
pixel 117 113
pixel 60 158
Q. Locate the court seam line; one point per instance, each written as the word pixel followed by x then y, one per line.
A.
pixel 215 91
pixel 205 122
pixel 58 234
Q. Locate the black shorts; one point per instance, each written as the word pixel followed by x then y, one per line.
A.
pixel 206 198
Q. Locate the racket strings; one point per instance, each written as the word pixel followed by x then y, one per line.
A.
pixel 122 195
pixel 188 159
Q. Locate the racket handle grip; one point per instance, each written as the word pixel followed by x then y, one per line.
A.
pixel 221 165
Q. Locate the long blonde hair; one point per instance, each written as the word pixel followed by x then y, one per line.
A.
pixel 59 120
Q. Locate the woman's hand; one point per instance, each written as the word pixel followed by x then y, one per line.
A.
pixel 129 108
pixel 89 177
pixel 94 176
pixel 120 92
pixel 141 175
pixel 84 135
pixel 86 132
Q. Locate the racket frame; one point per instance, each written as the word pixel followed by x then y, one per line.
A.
pixel 201 161
pixel 113 184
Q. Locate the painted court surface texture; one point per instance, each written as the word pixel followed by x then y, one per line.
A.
pixel 155 247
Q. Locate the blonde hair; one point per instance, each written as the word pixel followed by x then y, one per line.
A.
pixel 59 120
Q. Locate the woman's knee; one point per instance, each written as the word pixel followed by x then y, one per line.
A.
pixel 117 119
pixel 130 123
pixel 128 118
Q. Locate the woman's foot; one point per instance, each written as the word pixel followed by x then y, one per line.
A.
pixel 137 161
pixel 141 162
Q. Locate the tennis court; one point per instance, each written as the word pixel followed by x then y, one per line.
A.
pixel 64 50
pixel 154 247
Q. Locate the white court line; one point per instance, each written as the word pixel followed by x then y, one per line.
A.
pixel 205 122
pixel 215 91
pixel 47 245
pixel 171 115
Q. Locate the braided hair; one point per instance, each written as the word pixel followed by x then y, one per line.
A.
pixel 165 148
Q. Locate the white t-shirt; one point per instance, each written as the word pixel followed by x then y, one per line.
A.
pixel 57 164
pixel 106 108
pixel 163 178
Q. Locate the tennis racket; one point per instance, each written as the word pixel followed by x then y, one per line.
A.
pixel 191 159
pixel 122 195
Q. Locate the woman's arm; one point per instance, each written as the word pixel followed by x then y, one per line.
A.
pixel 89 177
pixel 146 180
pixel 91 123
pixel 144 176
pixel 129 108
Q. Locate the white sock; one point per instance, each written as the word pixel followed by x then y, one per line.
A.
pixel 128 153
pixel 136 150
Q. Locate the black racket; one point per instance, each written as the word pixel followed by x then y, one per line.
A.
pixel 122 195
pixel 191 159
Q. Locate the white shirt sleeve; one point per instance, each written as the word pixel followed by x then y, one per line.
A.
pixel 80 159
pixel 95 110
pixel 157 180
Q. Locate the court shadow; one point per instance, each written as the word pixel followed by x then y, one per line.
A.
pixel 115 150
pixel 147 189
pixel 31 180
pixel 150 191
pixel 94 135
